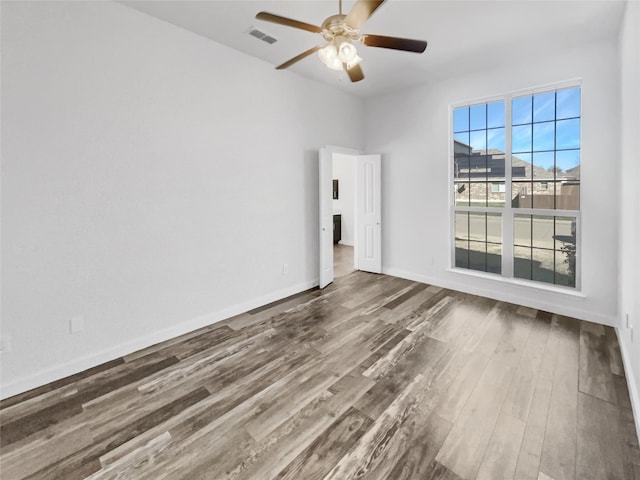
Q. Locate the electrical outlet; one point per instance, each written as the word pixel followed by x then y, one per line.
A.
pixel 285 268
pixel 5 343
pixel 76 324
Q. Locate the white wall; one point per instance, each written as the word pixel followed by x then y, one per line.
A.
pixel 344 171
pixel 630 199
pixel 153 181
pixel 414 143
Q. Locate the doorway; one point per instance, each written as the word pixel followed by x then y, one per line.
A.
pixel 344 210
pixel 364 231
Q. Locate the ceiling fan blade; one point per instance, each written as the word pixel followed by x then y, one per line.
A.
pixel 395 43
pixel 289 22
pixel 297 58
pixel 355 73
pixel 361 12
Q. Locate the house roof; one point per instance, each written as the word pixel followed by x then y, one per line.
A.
pixel 478 159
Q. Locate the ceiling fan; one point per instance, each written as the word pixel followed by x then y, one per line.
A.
pixel 340 31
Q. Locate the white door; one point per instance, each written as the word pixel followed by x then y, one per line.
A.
pixel 368 217
pixel 326 217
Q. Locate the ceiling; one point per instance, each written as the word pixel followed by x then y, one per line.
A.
pixel 462 35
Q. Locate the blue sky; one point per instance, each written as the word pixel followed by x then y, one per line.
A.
pixel 482 127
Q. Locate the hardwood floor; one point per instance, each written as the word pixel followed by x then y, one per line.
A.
pixel 373 377
pixel 342 260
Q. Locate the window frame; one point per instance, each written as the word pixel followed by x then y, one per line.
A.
pixel 507 212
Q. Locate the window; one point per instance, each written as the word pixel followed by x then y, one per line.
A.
pixel 479 241
pixel 545 149
pixel 531 235
pixel 544 249
pixel 479 158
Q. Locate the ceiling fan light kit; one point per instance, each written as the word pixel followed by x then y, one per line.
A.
pixel 329 56
pixel 338 52
pixel 340 31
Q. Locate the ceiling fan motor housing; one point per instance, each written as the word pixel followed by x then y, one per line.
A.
pixel 335 26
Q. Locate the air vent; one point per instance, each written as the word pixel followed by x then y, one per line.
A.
pixel 265 37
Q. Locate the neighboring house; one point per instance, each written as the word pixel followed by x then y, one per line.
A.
pixel 480 178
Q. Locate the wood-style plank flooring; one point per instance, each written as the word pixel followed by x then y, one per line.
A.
pixel 373 377
pixel 342 260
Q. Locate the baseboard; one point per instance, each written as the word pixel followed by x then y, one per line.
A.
pixel 634 395
pixel 343 242
pixel 501 295
pixel 57 372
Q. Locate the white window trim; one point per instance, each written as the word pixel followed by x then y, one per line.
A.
pixel 548 287
pixel 508 212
